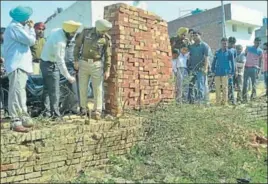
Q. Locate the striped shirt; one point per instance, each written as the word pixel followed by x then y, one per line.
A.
pixel 253 56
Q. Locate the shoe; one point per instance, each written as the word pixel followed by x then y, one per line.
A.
pixel 27 121
pixel 18 128
pixel 83 112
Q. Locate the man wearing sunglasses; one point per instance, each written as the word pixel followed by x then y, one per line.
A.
pixel 37 48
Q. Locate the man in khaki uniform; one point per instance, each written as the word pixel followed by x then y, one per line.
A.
pixel 37 48
pixel 92 46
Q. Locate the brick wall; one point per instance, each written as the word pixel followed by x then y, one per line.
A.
pixel 257 111
pixel 44 153
pixel 141 59
pixel 208 22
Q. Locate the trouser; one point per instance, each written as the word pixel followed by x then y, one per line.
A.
pixel 182 86
pixel 239 81
pixel 70 102
pixel 221 85
pixel 4 82
pixel 266 81
pixel 206 90
pixel 231 85
pixel 36 68
pixel 94 70
pixel 51 90
pixel 199 79
pixel 250 72
pixel 17 95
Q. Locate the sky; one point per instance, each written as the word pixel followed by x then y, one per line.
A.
pixel 172 10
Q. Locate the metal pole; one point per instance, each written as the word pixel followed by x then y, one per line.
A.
pixel 223 20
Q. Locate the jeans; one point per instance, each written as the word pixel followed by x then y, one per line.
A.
pixel 250 72
pixel 231 89
pixel 51 91
pixel 200 79
pixel 266 81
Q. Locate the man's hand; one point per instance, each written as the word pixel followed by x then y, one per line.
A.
pixel 230 75
pixel 71 79
pixel 76 65
pixel 106 75
pixel 30 23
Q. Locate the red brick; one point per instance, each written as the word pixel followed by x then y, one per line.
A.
pixel 8 167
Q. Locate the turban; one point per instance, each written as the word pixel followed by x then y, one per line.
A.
pixel 21 13
pixel 39 25
pixel 182 30
pixel 71 26
pixel 103 25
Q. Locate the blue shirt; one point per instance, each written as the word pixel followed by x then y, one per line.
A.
pixel 223 63
pixel 17 42
pixel 198 52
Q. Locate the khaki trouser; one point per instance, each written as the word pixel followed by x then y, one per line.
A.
pixel 221 84
pixel 36 68
pixel 94 70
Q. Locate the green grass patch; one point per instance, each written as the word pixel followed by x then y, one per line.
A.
pixel 189 144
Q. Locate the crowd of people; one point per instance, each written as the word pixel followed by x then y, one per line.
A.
pixel 81 56
pixel 232 67
pixel 76 56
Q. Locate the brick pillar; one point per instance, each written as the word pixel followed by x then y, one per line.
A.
pixel 141 72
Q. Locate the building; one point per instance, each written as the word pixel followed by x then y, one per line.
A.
pixel 240 22
pixel 86 12
pixel 263 31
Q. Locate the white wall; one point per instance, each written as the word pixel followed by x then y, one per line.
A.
pixel 246 15
pixel 86 12
pixel 242 36
pixel 79 11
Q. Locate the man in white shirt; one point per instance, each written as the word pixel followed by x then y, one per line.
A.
pixel 18 63
pixel 53 63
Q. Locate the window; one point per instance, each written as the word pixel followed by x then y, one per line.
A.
pixel 234 28
pixel 250 30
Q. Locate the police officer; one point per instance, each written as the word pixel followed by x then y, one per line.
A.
pixel 92 46
pixel 37 48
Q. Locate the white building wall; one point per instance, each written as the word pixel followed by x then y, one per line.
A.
pixel 246 15
pixel 79 11
pixel 242 36
pixel 86 12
